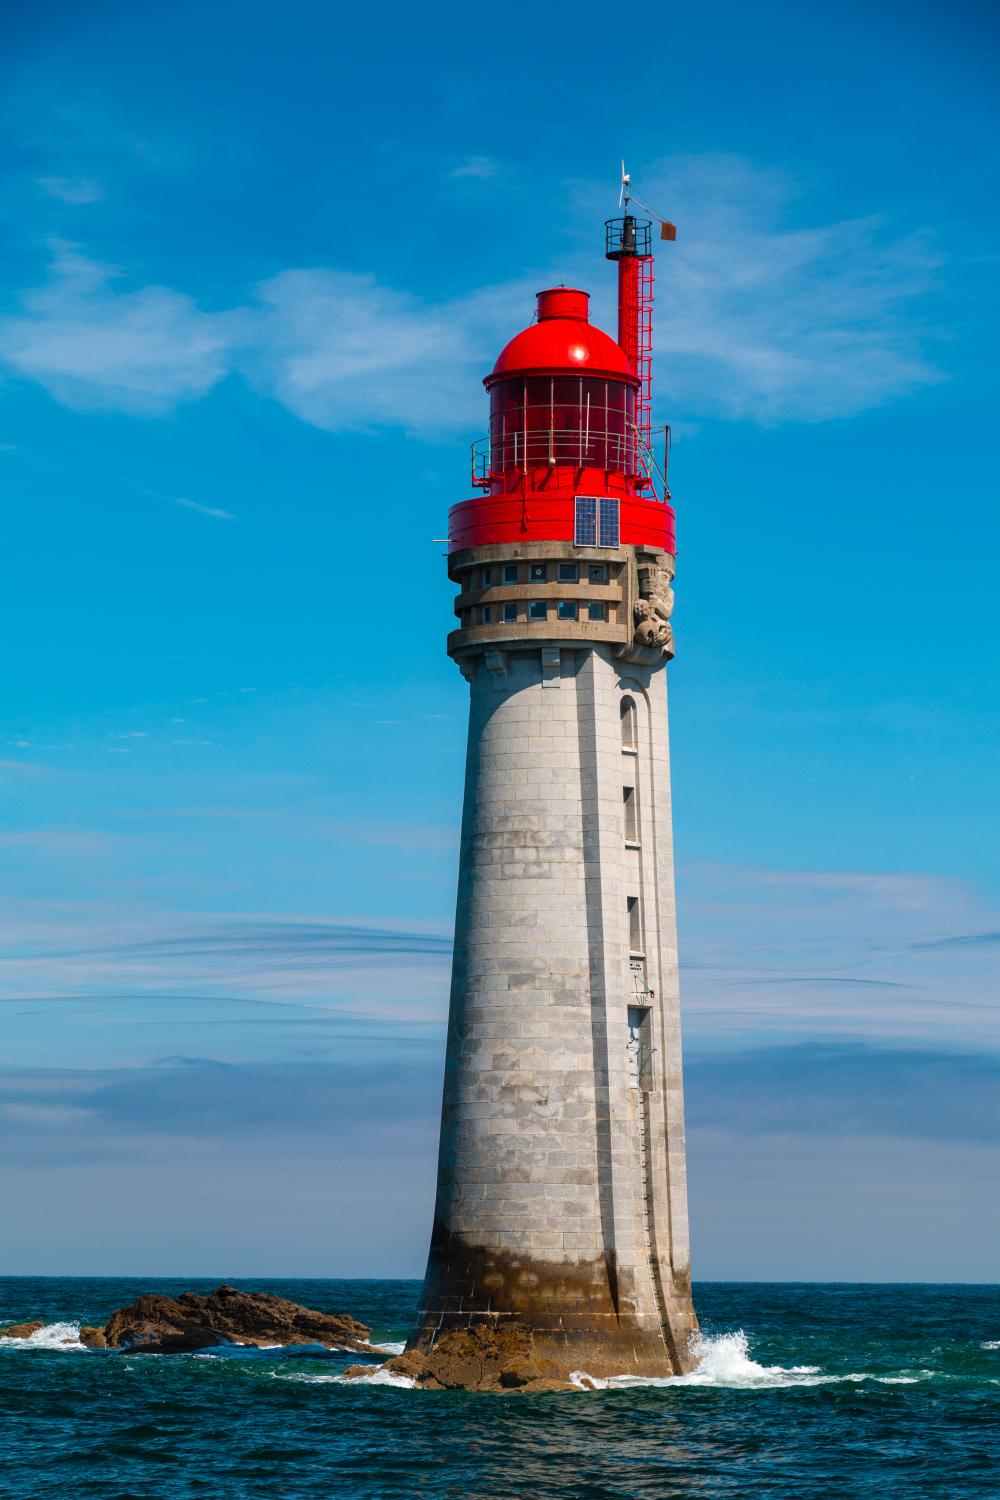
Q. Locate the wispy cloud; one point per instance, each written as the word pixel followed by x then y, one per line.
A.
pixel 482 167
pixel 94 346
pixel 757 318
pixel 75 190
pixel 832 954
pixel 205 510
pixel 343 352
pixel 761 319
pixel 374 971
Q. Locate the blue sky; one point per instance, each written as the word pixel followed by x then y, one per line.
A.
pixel 256 261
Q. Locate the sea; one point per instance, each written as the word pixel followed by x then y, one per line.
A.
pixel 878 1392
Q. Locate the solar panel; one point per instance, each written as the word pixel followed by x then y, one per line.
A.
pixel 586 521
pixel 609 523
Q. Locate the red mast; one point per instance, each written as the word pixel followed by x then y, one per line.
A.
pixel 628 242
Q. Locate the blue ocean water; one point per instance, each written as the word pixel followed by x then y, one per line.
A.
pixel 830 1391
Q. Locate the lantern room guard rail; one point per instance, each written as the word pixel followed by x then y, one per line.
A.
pixel 581 448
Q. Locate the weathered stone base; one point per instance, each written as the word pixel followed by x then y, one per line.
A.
pixel 578 1315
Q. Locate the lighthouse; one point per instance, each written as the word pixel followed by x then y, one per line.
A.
pixel 561 1195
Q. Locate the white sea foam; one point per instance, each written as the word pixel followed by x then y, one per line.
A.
pixel 61 1336
pixel 390 1348
pixel 379 1376
pixel 990 1344
pixel 723 1360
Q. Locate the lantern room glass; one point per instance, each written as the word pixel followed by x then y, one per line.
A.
pixel 563 419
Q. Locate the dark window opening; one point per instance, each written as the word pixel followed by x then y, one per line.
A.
pixel 630 803
pixel 630 740
pixel 635 943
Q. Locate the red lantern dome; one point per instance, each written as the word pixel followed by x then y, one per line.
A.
pixel 566 422
pixel 563 339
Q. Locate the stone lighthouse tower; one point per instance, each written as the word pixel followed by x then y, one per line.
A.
pixel 561 1197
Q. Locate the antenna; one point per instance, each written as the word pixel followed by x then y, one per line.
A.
pixel 625 191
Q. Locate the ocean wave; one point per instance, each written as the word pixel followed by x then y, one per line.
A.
pixel 724 1362
pixel 61 1336
pixel 990 1344
pixel 390 1348
pixel 379 1376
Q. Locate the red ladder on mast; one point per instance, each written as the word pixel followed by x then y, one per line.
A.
pixel 644 349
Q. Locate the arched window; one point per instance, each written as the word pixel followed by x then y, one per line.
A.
pixel 630 737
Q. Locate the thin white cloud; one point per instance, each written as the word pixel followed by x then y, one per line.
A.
pixel 205 510
pixel 757 318
pixel 95 347
pixel 75 190
pixel 760 320
pixel 476 166
pixel 345 353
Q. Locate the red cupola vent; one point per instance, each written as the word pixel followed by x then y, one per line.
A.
pixel 563 339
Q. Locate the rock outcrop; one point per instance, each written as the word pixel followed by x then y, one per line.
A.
pixel 20 1330
pixel 154 1324
pixel 481 1357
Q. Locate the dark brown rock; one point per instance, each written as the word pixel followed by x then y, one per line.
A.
pixel 155 1324
pixel 481 1357
pixel 20 1330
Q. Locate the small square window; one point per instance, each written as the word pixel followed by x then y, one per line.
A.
pixel 569 573
pixel 510 572
pixel 487 614
pixel 487 577
pixel 597 573
pixel 538 610
pixel 510 612
pixel 567 609
pixel 597 611
pixel 539 572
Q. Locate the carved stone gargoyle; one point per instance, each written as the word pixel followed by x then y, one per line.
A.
pixel 653 637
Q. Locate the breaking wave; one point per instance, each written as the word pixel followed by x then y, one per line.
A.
pixel 379 1376
pixel 723 1361
pixel 51 1336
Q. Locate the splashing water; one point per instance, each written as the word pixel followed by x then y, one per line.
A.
pixel 723 1360
pixel 63 1336
pixel 379 1376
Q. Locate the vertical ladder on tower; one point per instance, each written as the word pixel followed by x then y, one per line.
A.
pixel 644 349
pixel 646 1186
